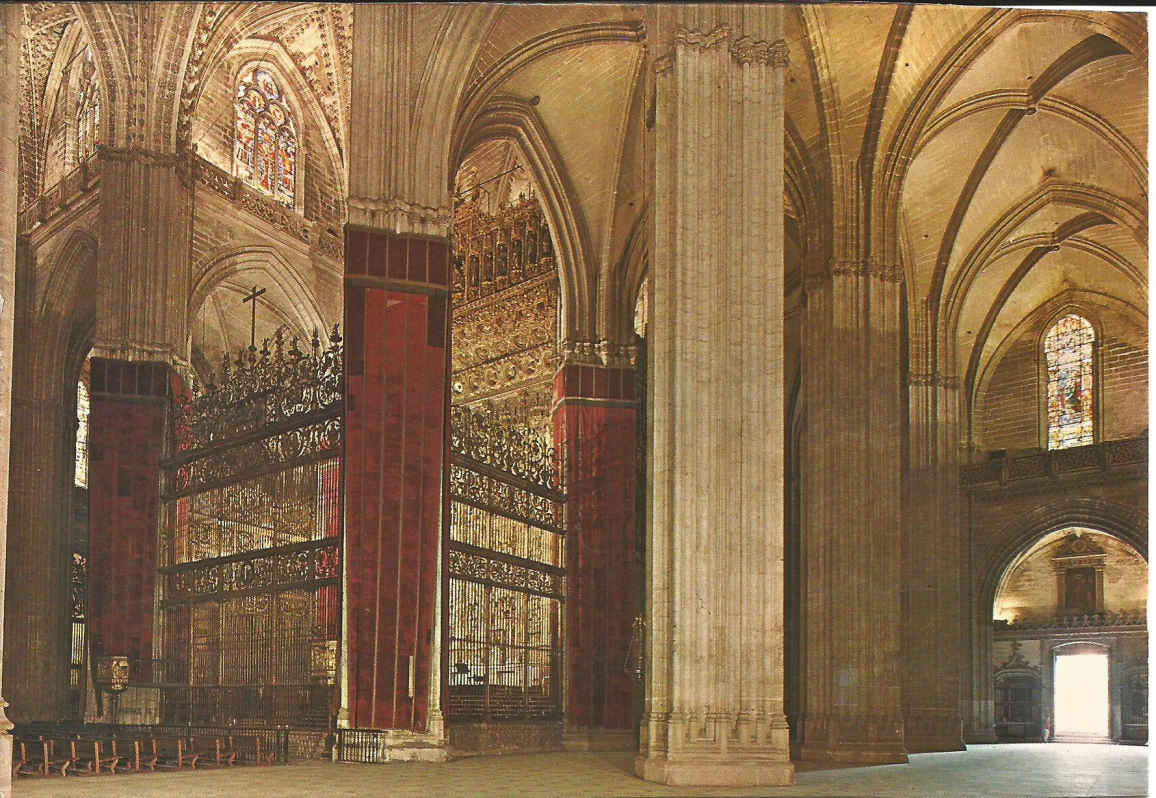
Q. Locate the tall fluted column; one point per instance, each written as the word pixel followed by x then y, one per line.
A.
pixel 714 676
pixel 852 515
pixel 932 613
pixel 10 38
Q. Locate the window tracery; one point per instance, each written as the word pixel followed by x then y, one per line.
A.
pixel 87 108
pixel 264 137
pixel 1068 357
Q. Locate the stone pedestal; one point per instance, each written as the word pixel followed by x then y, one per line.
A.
pixel 714 651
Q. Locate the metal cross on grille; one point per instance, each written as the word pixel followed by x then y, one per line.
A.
pixel 253 319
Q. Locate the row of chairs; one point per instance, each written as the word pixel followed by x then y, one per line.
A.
pixel 80 754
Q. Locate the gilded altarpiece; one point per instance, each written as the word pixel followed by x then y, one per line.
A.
pixel 505 313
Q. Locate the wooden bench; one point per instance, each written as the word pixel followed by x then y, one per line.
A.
pixel 94 755
pixel 143 752
pixel 173 753
pixel 210 751
pixel 249 749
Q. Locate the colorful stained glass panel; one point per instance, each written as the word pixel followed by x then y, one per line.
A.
pixel 265 142
pixel 1068 353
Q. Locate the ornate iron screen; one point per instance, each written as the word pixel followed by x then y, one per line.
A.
pixel 506 572
pixel 250 547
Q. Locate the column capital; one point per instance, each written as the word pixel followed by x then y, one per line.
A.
pixel 933 379
pixel 400 216
pixel 748 50
pixel 885 272
pixel 745 49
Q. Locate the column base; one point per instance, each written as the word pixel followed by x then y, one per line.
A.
pixel 597 739
pixel 717 770
pixel 927 730
pixel 5 762
pixel 980 736
pixel 855 753
pixel 853 739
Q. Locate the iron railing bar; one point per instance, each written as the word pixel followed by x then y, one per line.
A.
pixel 485 469
pixel 245 476
pixel 299 421
pixel 255 554
pixel 494 509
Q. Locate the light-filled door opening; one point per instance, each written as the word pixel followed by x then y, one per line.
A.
pixel 1081 690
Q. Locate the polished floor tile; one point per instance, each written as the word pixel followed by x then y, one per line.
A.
pixel 984 770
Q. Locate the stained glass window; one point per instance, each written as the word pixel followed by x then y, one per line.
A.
pixel 82 428
pixel 264 139
pixel 87 108
pixel 1068 353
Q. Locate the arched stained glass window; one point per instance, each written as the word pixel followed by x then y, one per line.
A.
pixel 264 138
pixel 82 406
pixel 87 108
pixel 1068 355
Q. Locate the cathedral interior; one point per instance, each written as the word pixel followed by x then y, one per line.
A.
pixel 735 386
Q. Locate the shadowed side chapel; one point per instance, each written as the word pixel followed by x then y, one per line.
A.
pixel 710 394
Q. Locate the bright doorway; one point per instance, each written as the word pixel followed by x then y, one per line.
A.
pixel 1081 690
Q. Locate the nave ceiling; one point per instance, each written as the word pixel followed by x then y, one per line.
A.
pixel 997 155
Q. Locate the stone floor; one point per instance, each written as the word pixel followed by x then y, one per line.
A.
pixel 984 770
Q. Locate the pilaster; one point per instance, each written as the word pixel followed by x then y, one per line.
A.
pixel 714 675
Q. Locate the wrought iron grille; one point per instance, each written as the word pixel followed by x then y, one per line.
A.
pixel 506 569
pixel 250 545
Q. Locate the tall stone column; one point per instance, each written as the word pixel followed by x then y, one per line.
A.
pixel 852 515
pixel 128 422
pixel 10 39
pixel 595 422
pixel 932 613
pixel 714 674
pixel 397 253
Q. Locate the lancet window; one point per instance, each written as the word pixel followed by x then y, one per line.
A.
pixel 87 108
pixel 265 139
pixel 82 404
pixel 1068 356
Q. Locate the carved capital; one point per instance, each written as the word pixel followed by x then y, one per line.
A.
pixel 580 353
pixel 616 355
pixel 932 379
pixel 885 272
pixel 400 216
pixel 700 40
pixel 848 268
pixel 748 50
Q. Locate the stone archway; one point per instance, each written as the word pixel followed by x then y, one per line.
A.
pixel 1116 522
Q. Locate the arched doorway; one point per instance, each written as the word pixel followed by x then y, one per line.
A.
pixel 1069 631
